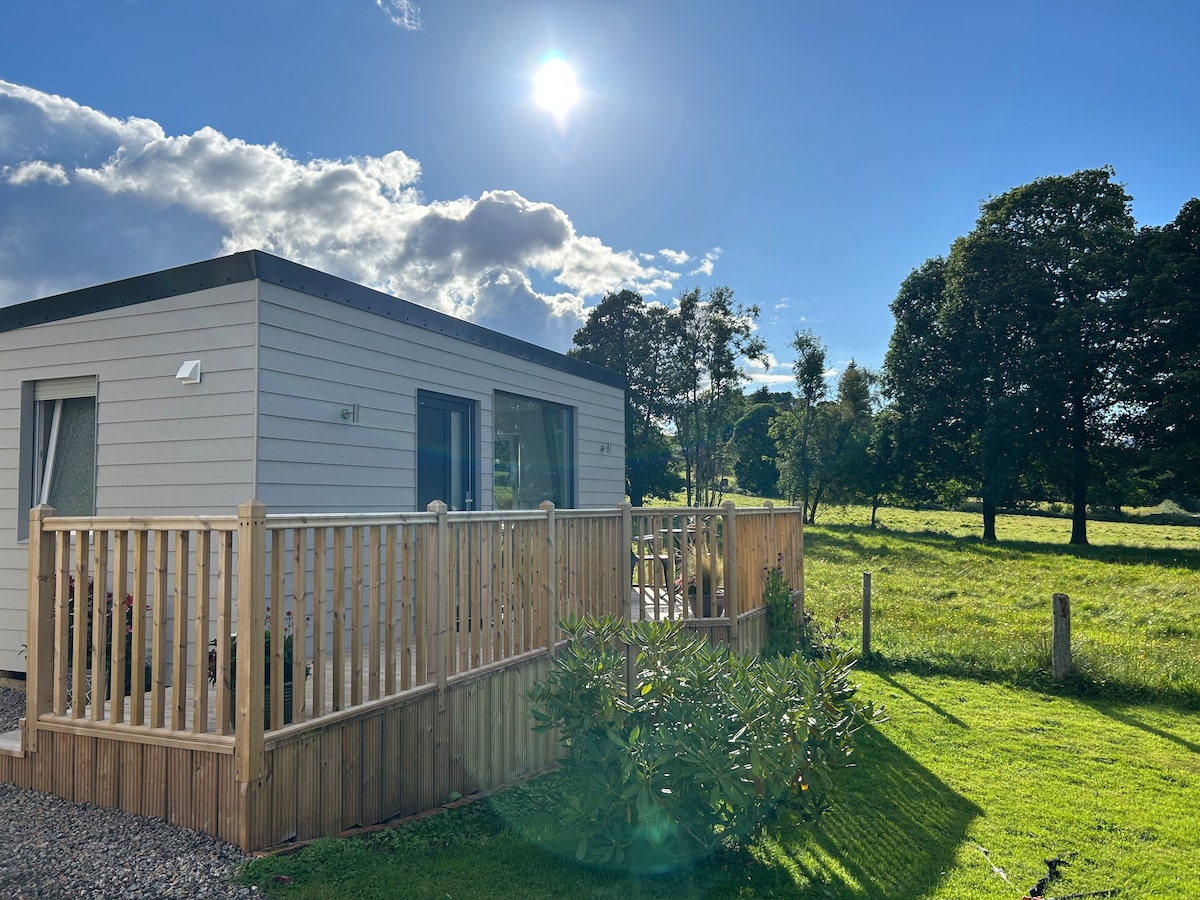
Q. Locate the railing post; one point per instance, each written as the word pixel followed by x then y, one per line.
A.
pixel 39 629
pixel 625 585
pixel 731 585
pixel 550 618
pixel 441 594
pixel 866 614
pixel 251 655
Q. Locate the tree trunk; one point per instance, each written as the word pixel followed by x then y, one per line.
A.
pixel 989 519
pixel 1079 472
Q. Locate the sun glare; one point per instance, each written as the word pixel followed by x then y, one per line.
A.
pixel 555 87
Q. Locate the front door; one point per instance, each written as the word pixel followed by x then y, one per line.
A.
pixel 445 451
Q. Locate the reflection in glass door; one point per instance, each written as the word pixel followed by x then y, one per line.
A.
pixel 445 451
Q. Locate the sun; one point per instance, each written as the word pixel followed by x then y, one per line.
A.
pixel 554 88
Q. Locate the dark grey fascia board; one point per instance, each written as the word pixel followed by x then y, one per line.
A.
pixel 251 264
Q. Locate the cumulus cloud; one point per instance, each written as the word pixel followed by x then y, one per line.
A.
pixel 404 13
pixel 675 257
pixel 706 265
pixel 87 198
pixel 38 170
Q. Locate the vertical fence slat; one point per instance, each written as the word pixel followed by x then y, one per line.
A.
pixel 390 558
pixel 356 616
pixel 100 615
pixel 179 679
pixel 373 615
pixel 200 631
pixel 300 623
pixel 319 601
pixel 222 673
pixel 407 606
pixel 120 636
pixel 276 623
pixel 141 572
pixel 158 631
pixel 79 633
pixel 339 618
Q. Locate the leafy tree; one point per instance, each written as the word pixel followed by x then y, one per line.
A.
pixel 715 334
pixel 625 334
pixel 841 434
pixel 792 430
pixel 1162 393
pixel 754 462
pixel 1054 253
pixel 1018 358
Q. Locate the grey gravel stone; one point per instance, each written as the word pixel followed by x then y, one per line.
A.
pixel 50 848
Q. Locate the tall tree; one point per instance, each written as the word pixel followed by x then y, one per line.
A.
pixel 792 430
pixel 625 334
pixel 922 377
pixel 1163 385
pixel 840 436
pixel 1055 252
pixel 754 451
pixel 715 335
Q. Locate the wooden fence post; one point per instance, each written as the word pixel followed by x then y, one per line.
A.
pixel 866 614
pixel 731 585
pixel 550 617
pixel 625 583
pixel 441 598
pixel 1060 652
pixel 39 629
pixel 251 656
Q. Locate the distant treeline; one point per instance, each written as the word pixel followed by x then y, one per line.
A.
pixel 1051 356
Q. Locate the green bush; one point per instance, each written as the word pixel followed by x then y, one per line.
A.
pixel 680 748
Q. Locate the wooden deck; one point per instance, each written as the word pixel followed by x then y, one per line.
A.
pixel 443 622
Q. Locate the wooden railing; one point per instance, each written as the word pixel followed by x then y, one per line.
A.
pixel 148 625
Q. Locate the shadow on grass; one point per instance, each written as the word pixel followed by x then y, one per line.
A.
pixel 1127 717
pixel 1184 699
pixel 848 539
pixel 949 717
pixel 893 830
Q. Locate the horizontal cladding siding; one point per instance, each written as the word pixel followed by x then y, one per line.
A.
pixel 162 446
pixel 317 358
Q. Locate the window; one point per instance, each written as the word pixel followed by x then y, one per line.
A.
pixel 534 447
pixel 58 447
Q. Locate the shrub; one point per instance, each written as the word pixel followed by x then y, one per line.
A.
pixel 787 633
pixel 681 748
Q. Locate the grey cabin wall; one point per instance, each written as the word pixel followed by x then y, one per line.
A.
pixel 161 446
pixel 318 357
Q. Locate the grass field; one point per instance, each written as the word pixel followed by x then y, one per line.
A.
pixel 945 602
pixel 981 751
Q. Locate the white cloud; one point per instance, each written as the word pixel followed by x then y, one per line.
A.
pixel 37 170
pixel 674 257
pixel 783 304
pixel 706 264
pixel 126 198
pixel 404 13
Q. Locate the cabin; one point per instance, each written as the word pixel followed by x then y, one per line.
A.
pixel 188 391
pixel 403 505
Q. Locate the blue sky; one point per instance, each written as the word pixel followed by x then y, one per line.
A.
pixel 809 155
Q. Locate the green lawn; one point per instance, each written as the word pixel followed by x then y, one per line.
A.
pixel 981 751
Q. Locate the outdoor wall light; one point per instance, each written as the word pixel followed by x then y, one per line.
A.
pixel 189 372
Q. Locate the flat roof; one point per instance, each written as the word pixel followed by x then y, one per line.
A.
pixel 250 265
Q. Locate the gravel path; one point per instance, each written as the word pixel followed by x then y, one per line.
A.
pixel 54 849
